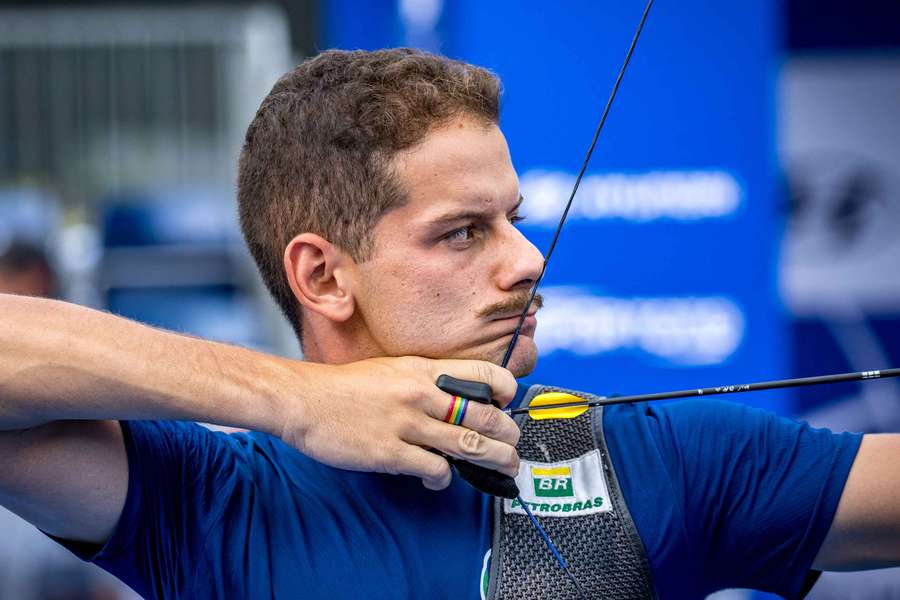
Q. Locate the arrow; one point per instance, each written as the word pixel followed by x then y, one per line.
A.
pixel 563 403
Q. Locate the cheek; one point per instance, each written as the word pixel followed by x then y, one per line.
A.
pixel 423 304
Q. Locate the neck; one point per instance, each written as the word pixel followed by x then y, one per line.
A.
pixel 336 343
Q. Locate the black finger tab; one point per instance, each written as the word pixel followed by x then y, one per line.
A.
pixel 471 390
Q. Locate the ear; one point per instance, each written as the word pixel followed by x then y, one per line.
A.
pixel 319 276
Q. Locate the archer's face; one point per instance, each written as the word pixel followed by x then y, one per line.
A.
pixel 450 272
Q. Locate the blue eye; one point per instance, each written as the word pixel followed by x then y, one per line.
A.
pixel 463 234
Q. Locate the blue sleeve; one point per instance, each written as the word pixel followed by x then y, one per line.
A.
pixel 178 477
pixel 759 491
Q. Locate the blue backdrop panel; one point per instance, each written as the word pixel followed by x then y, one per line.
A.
pixel 665 277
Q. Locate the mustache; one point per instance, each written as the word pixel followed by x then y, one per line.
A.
pixel 512 304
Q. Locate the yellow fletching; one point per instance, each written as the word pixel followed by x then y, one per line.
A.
pixel 551 398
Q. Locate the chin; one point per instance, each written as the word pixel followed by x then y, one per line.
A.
pixel 523 359
pixel 521 368
pixel 521 363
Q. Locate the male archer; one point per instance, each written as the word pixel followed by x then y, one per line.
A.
pixel 379 200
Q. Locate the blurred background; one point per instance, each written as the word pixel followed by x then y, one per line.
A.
pixel 739 220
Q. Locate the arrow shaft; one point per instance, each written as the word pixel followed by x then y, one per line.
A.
pixel 723 389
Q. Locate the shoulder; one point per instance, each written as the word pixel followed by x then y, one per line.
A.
pixel 242 454
pixel 687 413
pixel 682 421
pixel 735 495
pixel 714 430
pixel 186 446
pixel 691 420
pixel 189 433
pixel 174 437
pixel 670 442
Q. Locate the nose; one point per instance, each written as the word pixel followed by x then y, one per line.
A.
pixel 520 263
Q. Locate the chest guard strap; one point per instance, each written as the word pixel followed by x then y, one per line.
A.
pixel 570 484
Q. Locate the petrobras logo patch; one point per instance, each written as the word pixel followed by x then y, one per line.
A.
pixel 639 197
pixel 686 331
pixel 563 489
pixel 552 482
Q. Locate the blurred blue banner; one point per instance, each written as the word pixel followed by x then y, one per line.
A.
pixel 665 276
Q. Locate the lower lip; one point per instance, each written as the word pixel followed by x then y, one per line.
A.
pixel 528 325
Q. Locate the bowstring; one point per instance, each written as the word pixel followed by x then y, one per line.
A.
pixel 584 166
pixel 512 344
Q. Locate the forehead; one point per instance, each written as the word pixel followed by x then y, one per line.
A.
pixel 463 164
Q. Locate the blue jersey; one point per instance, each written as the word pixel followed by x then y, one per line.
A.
pixel 722 496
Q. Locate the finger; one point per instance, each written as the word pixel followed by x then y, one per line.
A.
pixel 502 382
pixel 483 418
pixel 431 468
pixel 469 445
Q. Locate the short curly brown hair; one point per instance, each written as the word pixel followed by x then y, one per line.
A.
pixel 316 156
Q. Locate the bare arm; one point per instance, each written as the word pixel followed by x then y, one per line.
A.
pixel 63 368
pixel 61 361
pixel 865 533
pixel 68 373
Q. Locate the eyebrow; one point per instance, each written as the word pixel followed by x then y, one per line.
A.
pixel 468 214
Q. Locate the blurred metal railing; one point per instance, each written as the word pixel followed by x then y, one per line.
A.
pixel 96 99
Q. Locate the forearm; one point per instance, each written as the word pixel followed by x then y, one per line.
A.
pixel 59 361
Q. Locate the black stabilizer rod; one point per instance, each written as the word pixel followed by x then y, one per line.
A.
pixel 722 389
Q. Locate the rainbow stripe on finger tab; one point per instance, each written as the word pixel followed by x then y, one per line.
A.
pixel 457 411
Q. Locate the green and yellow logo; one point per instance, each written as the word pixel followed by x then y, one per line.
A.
pixel 552 482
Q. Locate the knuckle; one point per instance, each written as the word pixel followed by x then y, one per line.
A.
pixel 416 394
pixel 440 471
pixel 470 443
pixel 516 435
pixel 387 461
pixel 484 372
pixel 490 421
pixel 514 460
pixel 408 426
pixel 507 384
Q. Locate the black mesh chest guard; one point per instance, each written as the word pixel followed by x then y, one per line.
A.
pixel 602 549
